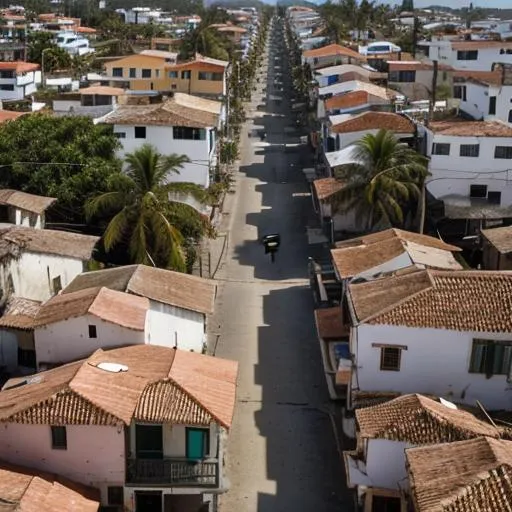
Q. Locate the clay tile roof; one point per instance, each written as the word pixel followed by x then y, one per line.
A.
pixel 399 65
pixel 172 288
pixel 180 110
pixel 19 66
pixel 349 100
pixel 477 44
pixel 437 299
pixel 119 308
pixel 20 313
pixel 159 385
pixel 329 323
pixel 478 478
pixel 102 90
pixel 501 238
pixel 24 201
pixel 326 187
pixel 28 490
pixel 356 256
pixel 85 30
pixel 342 88
pixel 16 239
pixel 8 115
pixel 493 78
pixel 376 121
pixel 463 128
pixel 333 50
pixel 419 420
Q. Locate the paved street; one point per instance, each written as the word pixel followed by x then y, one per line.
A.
pixel 282 454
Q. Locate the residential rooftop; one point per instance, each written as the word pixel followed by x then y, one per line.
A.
pixel 10 115
pixel 437 299
pixel 354 257
pixel 396 123
pixel 459 127
pixel 329 323
pixel 24 201
pixel 357 85
pixel 348 100
pixel 488 78
pixel 327 187
pixel 166 286
pixel 333 50
pixel 19 66
pixel 161 54
pixel 142 383
pixel 500 238
pixel 465 476
pixel 20 313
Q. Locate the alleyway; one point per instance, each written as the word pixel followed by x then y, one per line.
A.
pixel 282 454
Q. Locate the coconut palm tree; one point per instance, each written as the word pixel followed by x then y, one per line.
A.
pixel 386 182
pixel 140 210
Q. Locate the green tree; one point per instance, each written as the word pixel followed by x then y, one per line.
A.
pixel 385 184
pixel 69 158
pixel 141 214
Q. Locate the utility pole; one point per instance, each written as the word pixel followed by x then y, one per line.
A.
pixel 433 94
pixel 415 28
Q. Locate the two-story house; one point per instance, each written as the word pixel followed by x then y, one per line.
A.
pixel 183 125
pixel 346 72
pixel 18 79
pixel 406 324
pixel 377 467
pixel 24 209
pixel 145 425
pixel 94 101
pixel 331 55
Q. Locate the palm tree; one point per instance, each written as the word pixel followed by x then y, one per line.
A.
pixel 386 182
pixel 141 212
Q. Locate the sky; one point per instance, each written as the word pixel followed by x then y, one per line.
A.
pixel 454 4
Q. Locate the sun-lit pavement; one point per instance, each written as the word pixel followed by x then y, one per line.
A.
pixel 282 453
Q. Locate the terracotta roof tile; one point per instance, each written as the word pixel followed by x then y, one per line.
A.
pixel 493 78
pixel 329 323
pixel 464 128
pixel 20 313
pixel 119 308
pixel 501 238
pixel 476 45
pixel 102 90
pixel 349 100
pixel 160 384
pixel 19 66
pixel 9 115
pixel 24 201
pixel 438 300
pixel 465 476
pixel 401 65
pixel 342 88
pixel 376 121
pixel 27 490
pixel 172 288
pixel 333 50
pixel 419 420
pixel 326 187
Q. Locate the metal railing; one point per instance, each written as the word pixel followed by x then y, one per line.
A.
pixel 172 472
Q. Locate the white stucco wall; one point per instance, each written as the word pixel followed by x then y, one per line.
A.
pixel 198 151
pixel 401 261
pixel 346 139
pixel 477 101
pixel 24 218
pixel 171 326
pixel 69 340
pixel 94 455
pixel 436 362
pixel 32 274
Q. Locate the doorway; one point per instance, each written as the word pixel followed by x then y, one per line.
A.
pixel 386 504
pixel 148 501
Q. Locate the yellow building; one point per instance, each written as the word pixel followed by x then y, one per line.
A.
pixel 155 70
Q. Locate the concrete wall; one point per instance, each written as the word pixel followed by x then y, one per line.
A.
pixel 436 362
pixel 25 218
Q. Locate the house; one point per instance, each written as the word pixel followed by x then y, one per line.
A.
pixel 165 44
pixel 497 248
pixel 18 79
pixel 37 263
pixel 346 72
pixel 182 301
pixel 386 432
pixel 10 115
pixel 414 79
pixel 24 209
pixel 404 324
pixel 183 124
pixel 462 476
pixel 232 32
pixel 22 488
pixel 388 251
pixel 145 425
pixel 94 101
pixel 331 55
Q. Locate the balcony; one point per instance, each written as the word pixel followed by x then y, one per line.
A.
pixel 172 472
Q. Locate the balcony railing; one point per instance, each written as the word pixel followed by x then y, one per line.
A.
pixel 172 472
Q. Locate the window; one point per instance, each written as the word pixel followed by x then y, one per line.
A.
pixel 56 285
pixel 459 91
pixel 402 76
pixel 117 71
pixel 140 132
pixel 492 105
pixel 7 74
pixel 390 358
pixel 441 148
pixel 120 135
pixel 494 197
pixel 490 357
pixel 157 73
pixel 115 495
pixel 469 150
pixel 204 75
pixel 478 191
pixel 197 443
pixel 467 55
pixel 26 357
pixel 6 87
pixel 510 116
pixel 133 73
pixel 93 333
pixel 146 73
pixel 503 152
pixel 185 75
pixel 59 438
pixel 184 133
pixel 173 74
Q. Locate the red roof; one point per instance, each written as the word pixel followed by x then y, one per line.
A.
pixel 19 66
pixel 332 50
pixel 9 115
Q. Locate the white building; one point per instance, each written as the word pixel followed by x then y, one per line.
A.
pixel 73 43
pixel 24 209
pixel 405 324
pixel 145 425
pixel 331 55
pixel 37 263
pixel 345 72
pixel 183 125
pixel 18 79
pixel 377 468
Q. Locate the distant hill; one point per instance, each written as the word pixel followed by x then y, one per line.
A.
pixel 233 4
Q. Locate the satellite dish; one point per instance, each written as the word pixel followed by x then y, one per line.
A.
pixel 113 367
